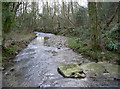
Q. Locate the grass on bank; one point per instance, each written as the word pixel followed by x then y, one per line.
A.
pixel 9 51
pixel 99 55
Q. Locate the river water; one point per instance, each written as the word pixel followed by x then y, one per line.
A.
pixel 36 66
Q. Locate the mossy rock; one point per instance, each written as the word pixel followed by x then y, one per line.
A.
pixel 71 71
pixel 105 64
pixel 112 69
pixel 93 68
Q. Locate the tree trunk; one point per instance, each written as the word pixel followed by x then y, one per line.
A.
pixel 119 12
pixel 94 24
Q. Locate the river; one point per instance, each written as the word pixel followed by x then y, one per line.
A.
pixel 36 66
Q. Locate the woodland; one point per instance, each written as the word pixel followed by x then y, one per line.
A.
pixel 93 30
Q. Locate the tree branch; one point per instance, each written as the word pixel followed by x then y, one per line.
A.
pixel 111 19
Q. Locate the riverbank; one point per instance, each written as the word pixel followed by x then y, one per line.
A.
pixel 86 50
pixel 13 46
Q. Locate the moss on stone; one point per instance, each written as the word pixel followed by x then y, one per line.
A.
pixel 75 71
pixel 71 70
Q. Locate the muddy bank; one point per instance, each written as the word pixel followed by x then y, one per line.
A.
pixel 12 48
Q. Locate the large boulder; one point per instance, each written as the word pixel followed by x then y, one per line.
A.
pixel 71 71
pixel 112 69
pixel 93 68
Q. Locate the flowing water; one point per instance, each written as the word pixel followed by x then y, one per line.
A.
pixel 36 66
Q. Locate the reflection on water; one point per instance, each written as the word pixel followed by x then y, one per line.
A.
pixel 40 40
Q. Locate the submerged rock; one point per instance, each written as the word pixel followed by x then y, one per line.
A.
pixel 71 71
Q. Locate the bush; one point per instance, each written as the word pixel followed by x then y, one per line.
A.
pixel 8 51
pixel 112 36
pixel 112 46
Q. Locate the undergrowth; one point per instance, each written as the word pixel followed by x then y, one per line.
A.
pixel 9 51
pixel 98 55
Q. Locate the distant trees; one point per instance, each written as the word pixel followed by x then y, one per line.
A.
pixel 60 15
pixel 81 17
pixel 55 17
